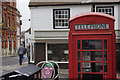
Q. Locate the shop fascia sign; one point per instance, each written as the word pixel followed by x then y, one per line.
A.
pixel 91 26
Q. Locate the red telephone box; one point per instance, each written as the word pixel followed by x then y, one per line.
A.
pixel 92 47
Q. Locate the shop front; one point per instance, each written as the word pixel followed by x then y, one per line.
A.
pixel 92 51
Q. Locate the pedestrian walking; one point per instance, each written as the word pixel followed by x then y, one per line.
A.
pixel 28 54
pixel 21 52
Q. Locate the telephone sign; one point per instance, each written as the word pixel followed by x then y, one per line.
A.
pixel 91 26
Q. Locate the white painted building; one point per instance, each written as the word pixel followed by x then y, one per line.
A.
pixel 50 25
pixel 27 37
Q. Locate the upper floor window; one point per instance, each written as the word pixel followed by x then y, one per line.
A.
pixel 105 9
pixel 4 20
pixel 13 2
pixel 8 23
pixel 13 22
pixel 61 18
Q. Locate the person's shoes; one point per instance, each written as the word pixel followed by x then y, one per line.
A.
pixel 20 64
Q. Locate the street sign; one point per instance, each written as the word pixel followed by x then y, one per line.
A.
pixel 47 72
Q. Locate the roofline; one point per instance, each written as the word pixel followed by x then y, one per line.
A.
pixel 75 4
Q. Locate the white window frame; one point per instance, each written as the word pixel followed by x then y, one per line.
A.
pixel 106 8
pixel 61 18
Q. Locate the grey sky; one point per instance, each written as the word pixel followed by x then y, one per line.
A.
pixel 22 6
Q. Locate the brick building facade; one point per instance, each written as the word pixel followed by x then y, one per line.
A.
pixel 10 25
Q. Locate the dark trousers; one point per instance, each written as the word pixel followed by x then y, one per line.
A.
pixel 28 60
pixel 20 59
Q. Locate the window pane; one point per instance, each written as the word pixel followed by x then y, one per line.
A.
pixel 63 24
pixel 62 16
pixel 105 44
pixel 62 12
pixel 78 43
pixel 58 52
pixel 92 56
pixel 79 66
pixel 66 12
pixel 105 67
pixel 66 16
pixel 79 76
pixel 106 10
pixel 105 56
pixel 110 13
pixel 92 67
pixel 56 24
pixel 110 10
pixel 92 44
pixel 78 55
pixel 99 10
pixel 59 12
pixel 102 10
pixel 93 77
pixel 66 24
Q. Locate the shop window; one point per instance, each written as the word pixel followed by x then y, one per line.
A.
pixel 105 9
pixel 58 52
pixel 61 18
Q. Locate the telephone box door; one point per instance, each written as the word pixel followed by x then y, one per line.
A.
pixel 92 57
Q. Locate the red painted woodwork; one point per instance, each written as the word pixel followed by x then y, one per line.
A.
pixel 104 59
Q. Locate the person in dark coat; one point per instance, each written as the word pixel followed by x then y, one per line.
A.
pixel 28 54
pixel 21 52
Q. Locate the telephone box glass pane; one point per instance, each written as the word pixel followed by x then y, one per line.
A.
pixel 78 44
pixel 78 55
pixel 105 56
pixel 105 44
pixel 92 77
pixel 79 66
pixel 92 56
pixel 79 76
pixel 105 67
pixel 92 44
pixel 92 67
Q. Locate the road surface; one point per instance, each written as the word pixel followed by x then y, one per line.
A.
pixel 11 63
